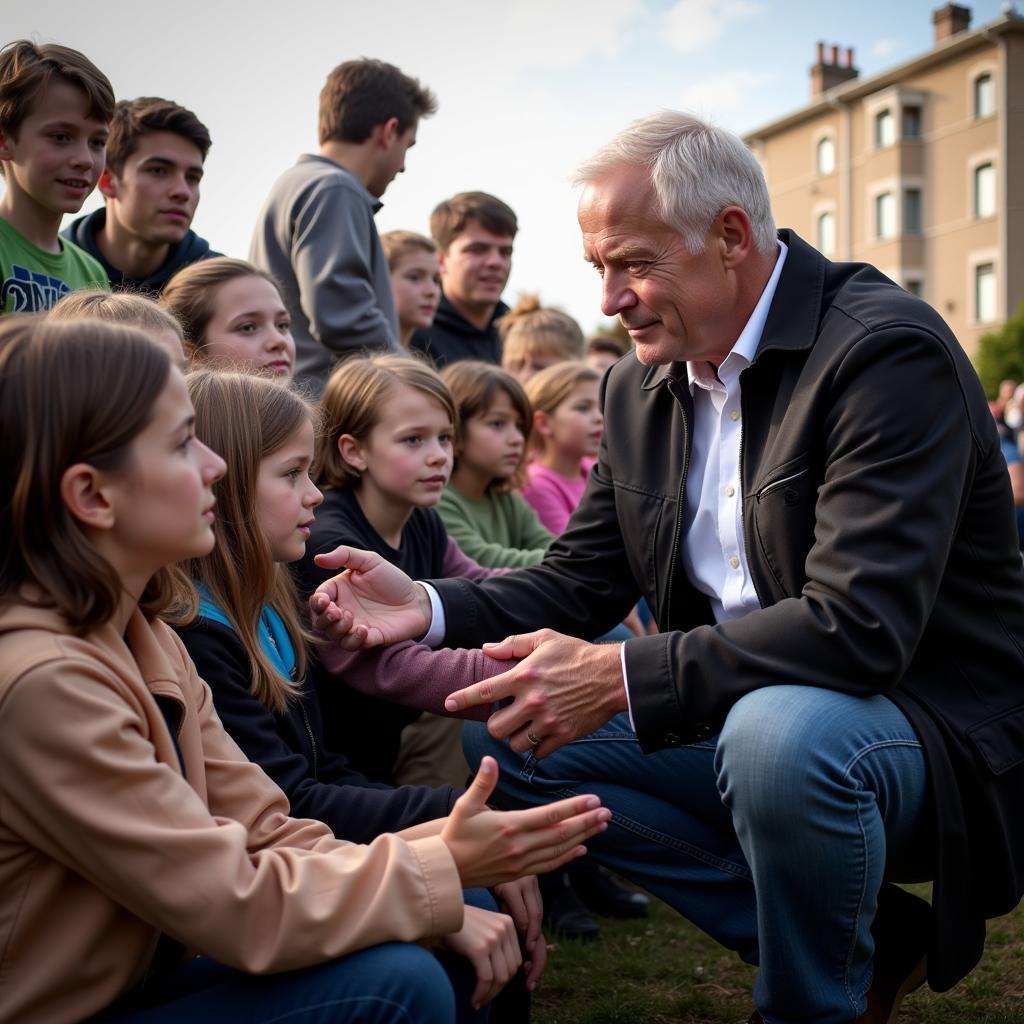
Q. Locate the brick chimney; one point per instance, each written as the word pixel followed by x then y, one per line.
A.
pixel 950 20
pixel 827 72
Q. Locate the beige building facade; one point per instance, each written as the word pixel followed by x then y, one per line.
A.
pixel 918 170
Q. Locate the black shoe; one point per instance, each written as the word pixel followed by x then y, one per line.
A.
pixel 602 893
pixel 564 913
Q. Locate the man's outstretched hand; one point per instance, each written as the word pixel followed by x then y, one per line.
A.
pixel 370 604
pixel 561 691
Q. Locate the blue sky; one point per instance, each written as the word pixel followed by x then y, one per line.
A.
pixel 527 89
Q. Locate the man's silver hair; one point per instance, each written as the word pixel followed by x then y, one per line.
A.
pixel 696 169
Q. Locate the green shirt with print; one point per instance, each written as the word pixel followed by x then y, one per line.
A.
pixel 32 279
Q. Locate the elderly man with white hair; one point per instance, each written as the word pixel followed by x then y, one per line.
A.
pixel 801 476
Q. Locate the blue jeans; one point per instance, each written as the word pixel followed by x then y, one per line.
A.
pixel 395 983
pixel 774 837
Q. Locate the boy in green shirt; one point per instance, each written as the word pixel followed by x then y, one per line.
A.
pixel 55 105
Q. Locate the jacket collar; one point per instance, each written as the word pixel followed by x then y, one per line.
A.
pixel 794 315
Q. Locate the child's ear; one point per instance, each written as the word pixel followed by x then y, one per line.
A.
pixel 107 184
pixel 5 146
pixel 82 491
pixel 352 452
pixel 542 423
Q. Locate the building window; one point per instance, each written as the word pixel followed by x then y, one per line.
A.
pixel 826 156
pixel 984 190
pixel 911 122
pixel 984 293
pixel 885 129
pixel 912 211
pixel 827 233
pixel 984 96
pixel 914 285
pixel 885 215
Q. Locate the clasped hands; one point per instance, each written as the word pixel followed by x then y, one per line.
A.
pixel 562 690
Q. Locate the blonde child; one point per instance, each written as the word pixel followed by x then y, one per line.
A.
pixel 130 310
pixel 535 336
pixel 134 829
pixel 233 316
pixel 383 460
pixel 481 510
pixel 415 280
pixel 566 434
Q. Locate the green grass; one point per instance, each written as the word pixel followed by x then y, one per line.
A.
pixel 662 970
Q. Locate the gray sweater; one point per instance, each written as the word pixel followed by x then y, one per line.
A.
pixel 317 237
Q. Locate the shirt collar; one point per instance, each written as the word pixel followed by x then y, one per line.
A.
pixel 743 351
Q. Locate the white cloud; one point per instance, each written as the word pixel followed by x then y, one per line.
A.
pixel 691 25
pixel 728 92
pixel 886 46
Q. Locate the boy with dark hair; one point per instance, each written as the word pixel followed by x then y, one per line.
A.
pixel 54 108
pixel 155 157
pixel 316 233
pixel 474 232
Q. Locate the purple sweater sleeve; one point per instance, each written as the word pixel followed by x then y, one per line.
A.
pixel 412 674
pixel 457 563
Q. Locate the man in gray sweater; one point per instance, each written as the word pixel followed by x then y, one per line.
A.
pixel 316 232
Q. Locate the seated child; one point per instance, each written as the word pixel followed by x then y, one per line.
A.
pixel 233 316
pixel 566 434
pixel 415 280
pixel 55 105
pixel 535 336
pixel 481 509
pixel 249 645
pixel 383 459
pixel 123 308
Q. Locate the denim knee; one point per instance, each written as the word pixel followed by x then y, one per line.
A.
pixel 407 983
pixel 773 750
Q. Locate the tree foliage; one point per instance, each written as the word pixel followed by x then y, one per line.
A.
pixel 1000 354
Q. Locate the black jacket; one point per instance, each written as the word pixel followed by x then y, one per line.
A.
pixel 452 337
pixel 879 533
pixel 289 747
pixel 190 249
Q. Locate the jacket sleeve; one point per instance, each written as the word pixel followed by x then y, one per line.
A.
pixel 331 255
pixel 412 674
pixel 353 808
pixel 214 869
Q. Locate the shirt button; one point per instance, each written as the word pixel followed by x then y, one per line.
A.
pixel 734 415
pixel 672 740
pixel 730 491
pixel 734 562
pixel 701 731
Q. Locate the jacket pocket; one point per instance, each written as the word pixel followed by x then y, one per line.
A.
pixel 783 511
pixel 642 521
pixel 1000 740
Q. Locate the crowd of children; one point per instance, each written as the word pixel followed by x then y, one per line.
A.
pixel 204 807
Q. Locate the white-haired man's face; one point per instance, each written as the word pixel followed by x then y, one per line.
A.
pixel 677 306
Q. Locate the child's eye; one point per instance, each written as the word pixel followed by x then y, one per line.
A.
pixel 187 443
pixel 60 137
pixel 412 440
pixel 246 328
pixel 445 438
pixel 294 474
pixel 284 325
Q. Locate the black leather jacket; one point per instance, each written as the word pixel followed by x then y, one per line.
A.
pixel 880 536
